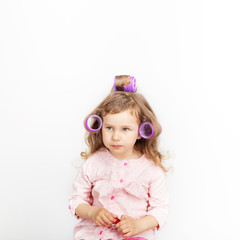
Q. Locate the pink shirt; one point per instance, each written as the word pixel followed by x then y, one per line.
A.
pixel 133 187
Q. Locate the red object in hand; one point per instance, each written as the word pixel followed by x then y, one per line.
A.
pixel 117 221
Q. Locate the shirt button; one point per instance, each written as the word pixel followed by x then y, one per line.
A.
pixel 112 197
pixel 121 180
pixel 125 164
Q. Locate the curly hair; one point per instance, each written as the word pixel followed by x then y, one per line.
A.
pixel 119 101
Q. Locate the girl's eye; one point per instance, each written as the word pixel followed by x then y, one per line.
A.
pixel 126 129
pixel 109 128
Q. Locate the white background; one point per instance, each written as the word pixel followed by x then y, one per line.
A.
pixel 57 62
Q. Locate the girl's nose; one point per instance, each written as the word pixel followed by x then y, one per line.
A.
pixel 115 136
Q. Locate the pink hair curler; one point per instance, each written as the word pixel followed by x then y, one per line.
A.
pixel 131 87
pixel 94 123
pixel 146 130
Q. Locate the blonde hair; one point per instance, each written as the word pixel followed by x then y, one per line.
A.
pixel 119 101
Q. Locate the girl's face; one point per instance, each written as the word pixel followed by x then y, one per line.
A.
pixel 120 132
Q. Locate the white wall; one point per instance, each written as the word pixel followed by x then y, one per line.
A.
pixel 58 60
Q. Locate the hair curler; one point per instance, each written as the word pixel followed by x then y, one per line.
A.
pixel 131 87
pixel 94 123
pixel 146 130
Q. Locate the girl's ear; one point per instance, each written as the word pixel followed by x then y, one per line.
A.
pixel 139 136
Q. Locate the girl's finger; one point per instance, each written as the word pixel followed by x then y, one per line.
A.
pixel 124 227
pixel 124 222
pixel 118 228
pixel 126 230
pixel 100 222
pixel 112 218
pixel 106 220
pixel 119 224
pixel 127 235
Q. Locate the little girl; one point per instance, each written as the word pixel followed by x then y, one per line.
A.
pixel 119 192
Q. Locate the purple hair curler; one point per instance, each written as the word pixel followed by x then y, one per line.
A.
pixel 92 122
pixel 131 87
pixel 146 130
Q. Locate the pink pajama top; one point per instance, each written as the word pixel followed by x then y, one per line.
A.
pixel 133 187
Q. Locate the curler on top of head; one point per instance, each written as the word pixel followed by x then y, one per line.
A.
pixel 125 83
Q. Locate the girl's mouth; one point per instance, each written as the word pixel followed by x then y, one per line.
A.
pixel 116 146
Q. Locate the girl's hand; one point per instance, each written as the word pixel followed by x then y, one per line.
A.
pixel 128 226
pixel 102 217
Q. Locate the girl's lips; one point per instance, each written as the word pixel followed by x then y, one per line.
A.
pixel 116 146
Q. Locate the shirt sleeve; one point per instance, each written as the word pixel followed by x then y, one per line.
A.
pixel 158 198
pixel 82 186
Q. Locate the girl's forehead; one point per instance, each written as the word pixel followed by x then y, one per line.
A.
pixel 124 116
